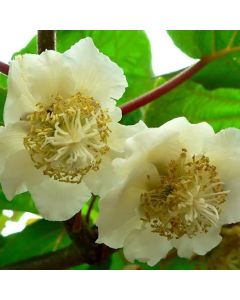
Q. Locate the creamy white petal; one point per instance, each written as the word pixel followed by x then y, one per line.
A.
pixel 230 212
pixel 118 216
pixel 19 171
pixel 11 141
pixel 205 242
pixel 224 152
pixel 199 244
pixel 224 143
pixel 102 180
pixel 146 246
pixel 191 136
pixel 95 74
pixel 119 134
pixel 183 246
pixel 170 138
pixel 34 79
pixel 105 178
pixel 114 111
pixel 59 201
pixel 119 208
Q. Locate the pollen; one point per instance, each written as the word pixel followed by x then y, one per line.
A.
pixel 187 200
pixel 68 139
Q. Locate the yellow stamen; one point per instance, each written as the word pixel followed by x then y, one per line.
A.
pixel 187 200
pixel 68 138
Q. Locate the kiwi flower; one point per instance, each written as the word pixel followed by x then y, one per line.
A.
pixel 61 127
pixel 177 188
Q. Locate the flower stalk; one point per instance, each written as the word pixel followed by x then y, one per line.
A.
pixel 46 40
pixel 164 88
pixel 4 68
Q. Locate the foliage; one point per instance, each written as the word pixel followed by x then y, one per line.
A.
pixel 219 107
pixel 201 43
pixel 39 238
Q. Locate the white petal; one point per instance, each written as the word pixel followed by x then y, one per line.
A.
pixel 19 171
pixel 191 136
pixel 225 143
pixel 224 152
pixel 170 138
pixel 230 210
pixel 11 141
pixel 119 208
pixel 114 111
pixel 102 180
pixel 94 73
pixel 33 79
pixel 118 216
pixel 59 201
pixel 199 244
pixel 119 134
pixel 146 246
pixel 205 242
pixel 183 246
pixel 137 173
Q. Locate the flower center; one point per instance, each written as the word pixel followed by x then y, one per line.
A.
pixel 68 138
pixel 186 201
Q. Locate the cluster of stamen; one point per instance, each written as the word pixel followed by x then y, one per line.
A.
pixel 187 200
pixel 68 138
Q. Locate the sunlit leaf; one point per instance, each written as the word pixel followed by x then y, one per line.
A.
pixel 220 107
pixel 21 202
pixel 222 72
pixel 38 238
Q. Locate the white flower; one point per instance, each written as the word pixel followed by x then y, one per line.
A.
pixel 61 131
pixel 181 185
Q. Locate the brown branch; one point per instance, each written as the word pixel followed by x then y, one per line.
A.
pixel 83 250
pixel 58 260
pixel 4 68
pixel 84 238
pixel 46 40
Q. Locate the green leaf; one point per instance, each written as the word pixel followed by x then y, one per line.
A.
pixel 3 95
pixel 200 43
pixel 31 48
pixel 37 239
pixel 130 49
pixel 3 220
pixel 220 107
pixel 119 262
pixel 21 202
pixel 223 72
pixel 195 43
pixel 3 81
pixel 178 263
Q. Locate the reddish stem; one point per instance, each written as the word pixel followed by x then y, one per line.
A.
pixel 164 88
pixel 4 68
